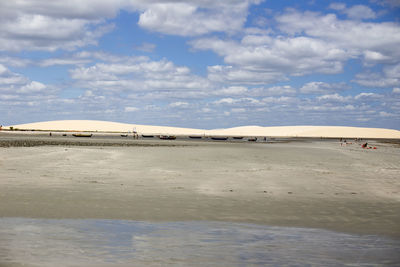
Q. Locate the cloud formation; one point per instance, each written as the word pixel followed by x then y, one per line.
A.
pixel 228 62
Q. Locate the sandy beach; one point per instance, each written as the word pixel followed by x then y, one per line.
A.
pixel 313 184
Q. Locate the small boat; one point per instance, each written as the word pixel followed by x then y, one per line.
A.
pixel 124 135
pixel 238 137
pixel 64 135
pixel 167 137
pixel 252 139
pixel 219 138
pixel 82 135
pixel 147 136
pixel 195 137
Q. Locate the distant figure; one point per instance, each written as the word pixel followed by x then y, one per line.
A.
pixel 50 134
pixel 1 126
pixel 364 145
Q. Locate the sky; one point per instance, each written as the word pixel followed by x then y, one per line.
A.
pixel 201 63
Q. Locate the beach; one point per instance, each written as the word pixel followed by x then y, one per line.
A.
pixel 316 184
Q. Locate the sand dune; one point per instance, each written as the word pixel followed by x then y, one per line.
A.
pixel 312 131
pixel 105 126
pixel 282 131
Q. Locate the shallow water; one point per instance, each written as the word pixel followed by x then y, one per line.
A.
pixel 49 242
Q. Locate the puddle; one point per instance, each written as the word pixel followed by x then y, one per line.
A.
pixel 48 242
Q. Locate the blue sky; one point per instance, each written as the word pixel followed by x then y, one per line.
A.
pixel 201 64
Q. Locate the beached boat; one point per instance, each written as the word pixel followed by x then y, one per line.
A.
pixel 124 135
pixel 219 138
pixel 167 137
pixel 82 135
pixel 195 137
pixel 252 139
pixel 147 136
pixel 238 137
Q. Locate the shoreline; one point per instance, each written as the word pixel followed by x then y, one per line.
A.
pixel 30 139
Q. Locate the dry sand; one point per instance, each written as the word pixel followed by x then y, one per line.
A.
pixel 286 131
pixel 305 184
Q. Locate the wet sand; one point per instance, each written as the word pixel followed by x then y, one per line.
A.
pixel 310 184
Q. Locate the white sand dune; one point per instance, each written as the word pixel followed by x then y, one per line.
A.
pixel 311 131
pixel 282 131
pixel 104 126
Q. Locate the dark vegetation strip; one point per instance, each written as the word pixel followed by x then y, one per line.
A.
pixel 33 143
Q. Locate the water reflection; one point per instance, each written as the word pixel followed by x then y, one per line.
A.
pixel 44 242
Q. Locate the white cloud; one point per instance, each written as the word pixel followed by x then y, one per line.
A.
pixel 385 114
pixel 327 108
pixel 14 61
pixel 337 6
pixel 232 90
pixel 353 37
pixel 88 93
pixel 38 32
pixel 8 97
pixel 280 100
pixel 322 87
pixel 3 69
pixel 63 61
pixel 270 59
pixel 360 12
pixel 139 75
pixel 281 90
pixel 241 75
pixel 389 77
pixel 225 101
pixel 10 81
pixel 357 12
pixel 179 105
pixel 368 96
pixel 371 79
pixel 17 90
pixel 314 43
pixel 131 109
pixel 53 25
pixel 273 91
pixel 32 87
pixel 363 119
pixel 334 97
pixel 375 57
pixel 191 18
pixel 391 3
pixel 238 110
pixel 242 102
